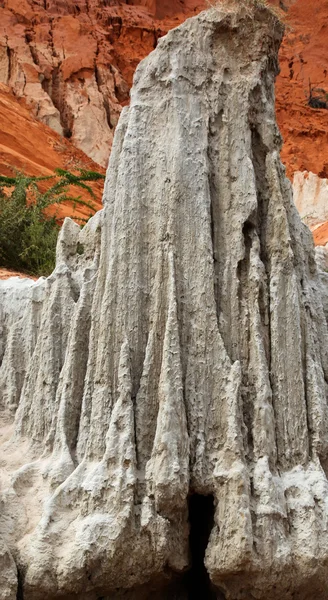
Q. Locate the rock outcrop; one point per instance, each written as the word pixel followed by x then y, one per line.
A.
pixel 311 199
pixel 176 356
pixel 73 62
pixel 29 146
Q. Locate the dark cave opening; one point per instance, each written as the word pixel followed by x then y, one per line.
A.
pixel 201 520
pixel 20 591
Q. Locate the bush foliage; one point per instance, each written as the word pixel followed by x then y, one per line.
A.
pixel 28 233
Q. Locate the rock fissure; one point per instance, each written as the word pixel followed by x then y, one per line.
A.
pixel 20 584
pixel 201 520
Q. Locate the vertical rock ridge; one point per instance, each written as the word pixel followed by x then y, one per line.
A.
pixel 167 470
pixel 36 408
pixel 20 326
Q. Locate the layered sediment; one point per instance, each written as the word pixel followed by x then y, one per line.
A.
pixel 175 362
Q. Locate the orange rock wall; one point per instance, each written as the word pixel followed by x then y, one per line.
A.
pixel 304 59
pixel 73 62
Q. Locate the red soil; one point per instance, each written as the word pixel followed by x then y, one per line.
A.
pixel 5 274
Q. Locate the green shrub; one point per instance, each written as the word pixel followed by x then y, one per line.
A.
pixel 28 234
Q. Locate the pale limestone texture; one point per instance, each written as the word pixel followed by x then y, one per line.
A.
pixel 179 347
pixel 311 197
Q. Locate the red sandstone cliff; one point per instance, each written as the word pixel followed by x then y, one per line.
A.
pixel 73 62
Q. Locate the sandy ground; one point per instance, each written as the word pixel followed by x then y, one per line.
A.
pixel 5 274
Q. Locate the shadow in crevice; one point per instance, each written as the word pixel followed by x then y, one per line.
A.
pixel 201 520
pixel 20 585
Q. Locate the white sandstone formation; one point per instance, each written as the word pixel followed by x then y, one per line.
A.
pixel 180 347
pixel 311 197
pixel 321 256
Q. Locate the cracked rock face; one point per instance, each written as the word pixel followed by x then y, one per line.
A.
pixel 179 348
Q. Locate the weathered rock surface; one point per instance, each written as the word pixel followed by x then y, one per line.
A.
pixel 303 60
pixel 311 199
pixel 29 146
pixel 74 63
pixel 321 256
pixel 180 347
pixel 320 234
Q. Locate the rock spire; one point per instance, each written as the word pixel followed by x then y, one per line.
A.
pixel 178 352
